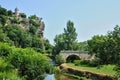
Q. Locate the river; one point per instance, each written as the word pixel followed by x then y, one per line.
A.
pixel 50 77
pixel 58 76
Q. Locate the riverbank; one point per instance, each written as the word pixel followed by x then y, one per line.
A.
pixel 85 73
pixel 61 74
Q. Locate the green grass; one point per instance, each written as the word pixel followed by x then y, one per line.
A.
pixel 105 69
pixel 75 76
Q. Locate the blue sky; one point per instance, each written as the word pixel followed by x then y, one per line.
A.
pixel 90 17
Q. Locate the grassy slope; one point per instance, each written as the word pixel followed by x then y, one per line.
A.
pixel 106 69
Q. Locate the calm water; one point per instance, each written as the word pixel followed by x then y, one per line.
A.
pixel 50 77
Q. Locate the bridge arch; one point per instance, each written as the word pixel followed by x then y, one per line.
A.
pixel 81 55
pixel 72 57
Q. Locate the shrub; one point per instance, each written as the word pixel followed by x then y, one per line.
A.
pixel 117 69
pixel 30 64
pixel 7 72
pixel 84 62
pixel 94 62
pixel 59 59
pixel 77 62
pixel 5 50
pixel 81 62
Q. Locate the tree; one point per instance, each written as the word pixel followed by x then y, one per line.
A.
pixel 22 64
pixel 66 40
pixel 10 13
pixel 23 15
pixel 3 19
pixel 59 59
pixel 98 46
pixel 70 36
pixel 83 46
pixel 3 11
pixel 33 30
pixel 106 48
pixel 59 43
pixel 48 46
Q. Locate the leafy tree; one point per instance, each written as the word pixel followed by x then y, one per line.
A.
pixel 32 17
pixel 3 19
pixel 66 40
pixel 3 36
pixel 70 35
pixel 7 72
pixel 23 15
pixel 33 30
pixel 106 47
pixel 59 59
pixel 37 44
pixel 31 65
pixel 48 46
pixel 59 43
pixel 5 50
pixel 10 13
pixel 15 20
pixel 83 46
pixel 3 11
pixel 22 64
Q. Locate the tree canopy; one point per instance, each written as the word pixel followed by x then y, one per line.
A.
pixel 67 40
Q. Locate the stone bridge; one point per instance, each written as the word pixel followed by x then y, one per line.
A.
pixel 81 55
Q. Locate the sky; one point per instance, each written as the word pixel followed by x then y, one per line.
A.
pixel 90 17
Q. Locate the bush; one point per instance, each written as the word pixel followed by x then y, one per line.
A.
pixel 95 62
pixel 59 59
pixel 92 63
pixel 7 72
pixel 26 63
pixel 77 62
pixel 117 69
pixel 5 50
pixel 81 62
pixel 30 64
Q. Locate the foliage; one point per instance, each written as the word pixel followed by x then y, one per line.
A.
pixel 23 15
pixel 117 68
pixel 105 69
pixel 70 36
pixel 22 31
pixel 7 71
pixel 3 11
pixel 48 46
pixel 30 64
pixel 59 60
pixel 83 46
pixel 76 77
pixel 26 63
pixel 107 48
pixel 5 50
pixel 66 40
pixel 3 36
pixel 91 63
pixel 3 19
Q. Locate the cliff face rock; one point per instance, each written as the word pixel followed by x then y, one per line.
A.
pixel 87 74
pixel 16 18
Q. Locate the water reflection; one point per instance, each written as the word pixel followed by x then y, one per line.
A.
pixel 50 77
